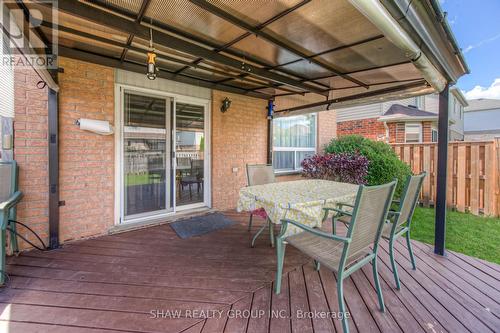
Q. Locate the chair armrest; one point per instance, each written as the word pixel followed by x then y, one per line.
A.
pixel 12 201
pixel 312 230
pixel 340 204
pixel 340 212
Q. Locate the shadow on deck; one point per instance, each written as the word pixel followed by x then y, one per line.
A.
pixel 119 283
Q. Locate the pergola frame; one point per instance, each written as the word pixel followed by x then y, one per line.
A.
pixel 274 74
pixel 278 78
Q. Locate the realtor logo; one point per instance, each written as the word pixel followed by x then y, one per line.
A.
pixel 29 33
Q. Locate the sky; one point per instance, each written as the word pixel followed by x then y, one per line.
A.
pixel 476 25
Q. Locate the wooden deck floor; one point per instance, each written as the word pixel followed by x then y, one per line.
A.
pixel 117 283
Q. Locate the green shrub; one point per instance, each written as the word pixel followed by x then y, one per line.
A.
pixel 384 163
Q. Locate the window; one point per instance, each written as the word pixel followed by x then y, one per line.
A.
pixel 6 79
pixel 413 132
pixel 294 138
pixel 434 135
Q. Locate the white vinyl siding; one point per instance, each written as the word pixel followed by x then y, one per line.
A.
pixel 359 112
pixel 413 132
pixel 372 110
pixel 6 82
pixel 294 138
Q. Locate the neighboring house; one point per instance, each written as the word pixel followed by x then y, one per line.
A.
pixel 408 120
pixel 482 119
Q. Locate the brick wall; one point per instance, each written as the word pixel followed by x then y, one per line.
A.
pixel 396 132
pixel 31 153
pixel 373 129
pixel 370 128
pixel 427 131
pixel 239 136
pixel 327 128
pixel 86 159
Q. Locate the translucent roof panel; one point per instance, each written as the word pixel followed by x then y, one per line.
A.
pixel 264 50
pixel 322 25
pixel 255 12
pixel 374 54
pixel 306 69
pixel 402 72
pixel 132 6
pixel 185 16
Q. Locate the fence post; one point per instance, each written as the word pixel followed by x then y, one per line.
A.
pixel 496 175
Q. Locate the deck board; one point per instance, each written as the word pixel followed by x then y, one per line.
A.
pixel 112 283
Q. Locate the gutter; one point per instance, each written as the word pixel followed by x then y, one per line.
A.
pixel 403 118
pixel 374 11
pixel 446 26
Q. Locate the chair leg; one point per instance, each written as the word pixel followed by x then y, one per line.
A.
pixel 280 256
pixel 393 263
pixel 2 257
pixel 334 225
pixel 258 233
pixel 377 285
pixel 271 232
pixel 250 222
pixel 317 265
pixel 13 238
pixel 340 294
pixel 410 249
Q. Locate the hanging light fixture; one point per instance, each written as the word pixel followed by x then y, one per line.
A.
pixel 152 69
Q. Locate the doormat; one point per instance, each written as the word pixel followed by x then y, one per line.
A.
pixel 201 225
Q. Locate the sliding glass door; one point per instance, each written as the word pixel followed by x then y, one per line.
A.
pixel 162 154
pixel 190 153
pixel 147 171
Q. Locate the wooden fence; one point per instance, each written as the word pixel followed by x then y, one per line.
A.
pixel 473 175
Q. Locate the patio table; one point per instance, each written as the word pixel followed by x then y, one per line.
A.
pixel 300 200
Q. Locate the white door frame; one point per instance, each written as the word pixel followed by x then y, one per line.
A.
pixel 119 204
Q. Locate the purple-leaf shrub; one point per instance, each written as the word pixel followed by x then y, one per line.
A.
pixel 341 167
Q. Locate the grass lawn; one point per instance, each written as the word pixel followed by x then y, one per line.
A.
pixel 475 236
pixel 140 179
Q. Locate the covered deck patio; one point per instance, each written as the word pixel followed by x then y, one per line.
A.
pixel 298 57
pixel 121 282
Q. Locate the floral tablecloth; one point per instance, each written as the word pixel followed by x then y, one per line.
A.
pixel 300 200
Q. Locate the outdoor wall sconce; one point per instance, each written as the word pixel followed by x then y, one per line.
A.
pixel 226 103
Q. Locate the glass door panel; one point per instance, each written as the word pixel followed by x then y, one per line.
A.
pixel 146 155
pixel 190 150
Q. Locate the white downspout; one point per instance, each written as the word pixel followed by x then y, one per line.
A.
pixel 380 17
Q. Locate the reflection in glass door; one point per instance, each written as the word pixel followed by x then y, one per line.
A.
pixel 146 155
pixel 190 151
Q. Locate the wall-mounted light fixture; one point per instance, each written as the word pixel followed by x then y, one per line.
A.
pixel 226 103
pixel 152 69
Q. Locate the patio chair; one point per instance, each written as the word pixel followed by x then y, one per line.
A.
pixel 195 177
pixel 399 220
pixel 344 255
pixel 9 198
pixel 260 174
